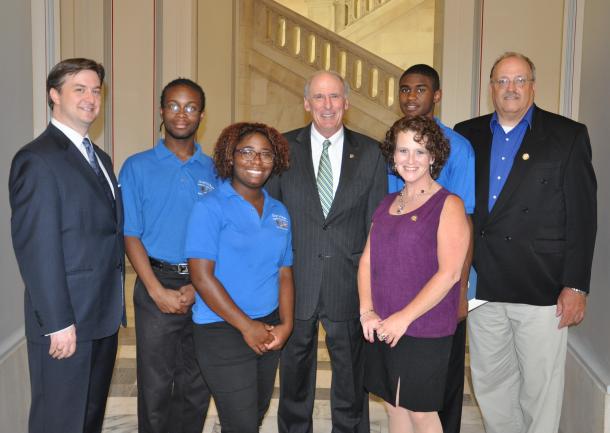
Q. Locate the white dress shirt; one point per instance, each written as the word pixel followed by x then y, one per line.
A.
pixel 77 140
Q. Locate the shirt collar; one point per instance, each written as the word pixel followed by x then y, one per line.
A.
pixel 527 118
pixel 227 190
pixel 72 135
pixel 162 152
pixel 320 138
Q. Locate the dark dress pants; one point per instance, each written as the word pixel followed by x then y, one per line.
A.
pixel 451 415
pixel 298 364
pixel 69 395
pixel 172 396
pixel 240 380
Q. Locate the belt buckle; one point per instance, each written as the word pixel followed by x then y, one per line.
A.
pixel 183 268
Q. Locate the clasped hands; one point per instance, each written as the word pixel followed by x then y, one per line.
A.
pixel 262 337
pixel 389 330
pixel 174 301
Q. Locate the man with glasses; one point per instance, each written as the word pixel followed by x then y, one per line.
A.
pixel 336 179
pixel 160 187
pixel 534 229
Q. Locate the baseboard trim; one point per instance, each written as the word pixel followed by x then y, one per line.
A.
pixel 12 343
pixel 603 386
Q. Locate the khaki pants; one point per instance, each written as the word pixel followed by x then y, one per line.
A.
pixel 517 359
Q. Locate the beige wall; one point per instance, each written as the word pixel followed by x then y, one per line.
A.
pixel 16 123
pixel 587 402
pixel 134 106
pixel 217 63
pixel 508 27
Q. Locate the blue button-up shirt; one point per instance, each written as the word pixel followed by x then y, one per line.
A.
pixel 504 147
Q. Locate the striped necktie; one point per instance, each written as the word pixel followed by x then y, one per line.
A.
pixel 325 179
pixel 92 159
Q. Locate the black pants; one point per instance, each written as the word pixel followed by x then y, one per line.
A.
pixel 172 396
pixel 451 415
pixel 240 380
pixel 69 395
pixel 348 400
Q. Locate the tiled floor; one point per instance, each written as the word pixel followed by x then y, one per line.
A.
pixel 121 409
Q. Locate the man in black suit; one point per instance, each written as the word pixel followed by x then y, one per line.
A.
pixel 534 226
pixel 336 179
pixel 66 225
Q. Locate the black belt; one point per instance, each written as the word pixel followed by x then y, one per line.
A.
pixel 179 268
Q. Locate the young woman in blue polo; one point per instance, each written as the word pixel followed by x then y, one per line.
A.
pixel 239 252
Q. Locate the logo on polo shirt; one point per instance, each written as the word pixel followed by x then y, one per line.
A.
pixel 204 187
pixel 281 222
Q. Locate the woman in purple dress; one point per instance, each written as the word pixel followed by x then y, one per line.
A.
pixel 408 280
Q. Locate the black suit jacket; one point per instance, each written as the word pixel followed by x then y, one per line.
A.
pixel 540 234
pixel 67 239
pixel 327 250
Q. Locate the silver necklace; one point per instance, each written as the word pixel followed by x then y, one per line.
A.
pixel 401 200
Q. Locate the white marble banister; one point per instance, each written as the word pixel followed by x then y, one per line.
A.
pixel 347 12
pixel 310 47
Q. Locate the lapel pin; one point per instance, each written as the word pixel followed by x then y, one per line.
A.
pixel 525 156
pixel 352 156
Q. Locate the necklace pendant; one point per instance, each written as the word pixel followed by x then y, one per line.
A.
pixel 414 218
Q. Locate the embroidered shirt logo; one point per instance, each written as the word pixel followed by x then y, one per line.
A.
pixel 281 222
pixel 204 187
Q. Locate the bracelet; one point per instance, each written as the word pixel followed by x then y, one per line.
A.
pixel 366 313
pixel 580 292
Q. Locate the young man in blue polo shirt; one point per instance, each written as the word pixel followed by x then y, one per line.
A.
pixel 160 187
pixel 418 92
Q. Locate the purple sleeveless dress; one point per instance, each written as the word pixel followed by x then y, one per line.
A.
pixel 403 259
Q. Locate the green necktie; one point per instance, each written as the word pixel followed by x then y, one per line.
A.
pixel 325 179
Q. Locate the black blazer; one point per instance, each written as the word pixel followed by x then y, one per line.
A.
pixel 68 240
pixel 540 234
pixel 327 251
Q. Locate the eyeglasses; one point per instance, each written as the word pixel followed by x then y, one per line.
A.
pixel 250 155
pixel 188 109
pixel 519 82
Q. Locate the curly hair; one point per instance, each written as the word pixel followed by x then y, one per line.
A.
pixel 427 133
pixel 233 134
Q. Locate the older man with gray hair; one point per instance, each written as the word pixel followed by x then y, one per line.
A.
pixel 335 181
pixel 534 229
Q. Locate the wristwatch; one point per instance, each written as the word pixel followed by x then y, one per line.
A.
pixel 580 292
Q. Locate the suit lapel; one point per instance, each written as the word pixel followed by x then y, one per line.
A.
pixel 522 163
pixel 482 142
pixel 77 160
pixel 305 171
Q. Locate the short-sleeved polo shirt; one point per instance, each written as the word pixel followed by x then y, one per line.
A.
pixel 248 249
pixel 159 191
pixel 457 174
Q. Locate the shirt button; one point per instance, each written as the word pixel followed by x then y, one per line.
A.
pixel 494 197
pixel 508 238
pixel 506 139
pixel 499 177
pixel 503 158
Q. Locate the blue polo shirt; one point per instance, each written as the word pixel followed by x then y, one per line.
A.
pixel 504 147
pixel 248 250
pixel 457 174
pixel 159 191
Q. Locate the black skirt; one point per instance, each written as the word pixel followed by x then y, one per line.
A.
pixel 419 363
